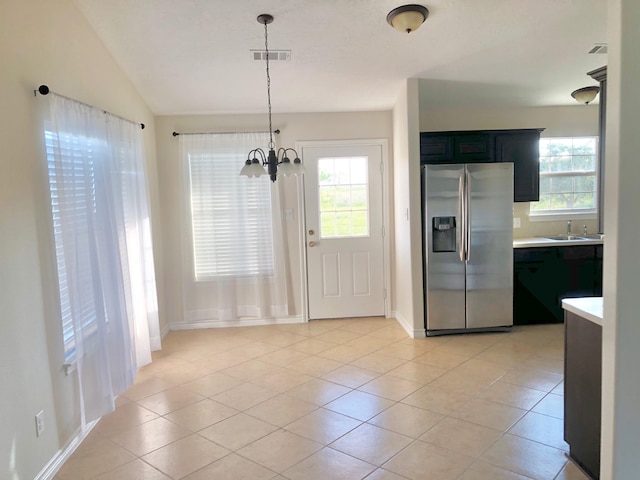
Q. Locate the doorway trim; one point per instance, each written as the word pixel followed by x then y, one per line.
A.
pixel 383 143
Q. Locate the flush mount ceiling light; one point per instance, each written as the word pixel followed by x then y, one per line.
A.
pixel 257 159
pixel 586 94
pixel 407 18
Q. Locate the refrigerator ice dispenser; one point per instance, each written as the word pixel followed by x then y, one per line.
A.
pixel 444 234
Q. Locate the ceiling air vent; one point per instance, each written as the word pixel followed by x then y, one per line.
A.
pixel 599 48
pixel 274 55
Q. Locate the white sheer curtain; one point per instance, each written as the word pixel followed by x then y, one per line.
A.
pixel 234 249
pixel 102 239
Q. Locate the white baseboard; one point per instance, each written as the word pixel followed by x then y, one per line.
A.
pixel 51 468
pixel 247 322
pixel 166 329
pixel 408 326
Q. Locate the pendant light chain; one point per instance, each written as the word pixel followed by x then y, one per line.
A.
pixel 266 47
pixel 276 163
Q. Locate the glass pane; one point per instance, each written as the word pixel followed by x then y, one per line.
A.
pixel 556 146
pixel 561 201
pixel 343 171
pixel 586 183
pixel 326 171
pixel 583 146
pixel 327 198
pixel 359 197
pixel 561 184
pixel 328 224
pixel 584 163
pixel 359 220
pixel 584 200
pixel 556 164
pixel 343 224
pixel 545 184
pixel 343 196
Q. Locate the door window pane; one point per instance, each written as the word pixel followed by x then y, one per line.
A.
pixel 343 187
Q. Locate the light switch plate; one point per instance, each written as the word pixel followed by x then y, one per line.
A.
pixel 516 222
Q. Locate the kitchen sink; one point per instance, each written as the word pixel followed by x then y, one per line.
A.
pixel 594 236
pixel 566 237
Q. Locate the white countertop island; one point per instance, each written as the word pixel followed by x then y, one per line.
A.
pixel 586 307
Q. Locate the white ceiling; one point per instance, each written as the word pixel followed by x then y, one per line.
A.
pixel 193 56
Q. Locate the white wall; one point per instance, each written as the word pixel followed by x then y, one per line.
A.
pixel 43 42
pixel 294 128
pixel 574 121
pixel 407 290
pixel 621 332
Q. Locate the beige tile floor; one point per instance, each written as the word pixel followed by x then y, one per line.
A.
pixel 338 399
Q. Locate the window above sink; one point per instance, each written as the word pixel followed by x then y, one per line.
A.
pixel 568 178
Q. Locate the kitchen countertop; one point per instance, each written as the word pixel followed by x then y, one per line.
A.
pixel 585 307
pixel 527 242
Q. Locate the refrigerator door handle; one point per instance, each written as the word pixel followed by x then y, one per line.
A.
pixel 467 219
pixel 461 215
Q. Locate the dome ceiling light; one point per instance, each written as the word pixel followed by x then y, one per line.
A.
pixel 407 18
pixel 585 94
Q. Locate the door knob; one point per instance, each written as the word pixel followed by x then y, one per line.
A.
pixel 312 243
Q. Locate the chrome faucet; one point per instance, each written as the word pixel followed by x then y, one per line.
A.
pixel 584 230
pixel 569 227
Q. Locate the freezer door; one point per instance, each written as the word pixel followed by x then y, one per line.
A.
pixel 490 245
pixel 444 270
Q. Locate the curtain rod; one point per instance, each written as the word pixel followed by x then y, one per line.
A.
pixel 175 134
pixel 44 90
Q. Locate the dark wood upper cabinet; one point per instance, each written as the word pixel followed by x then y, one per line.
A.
pixel 473 148
pixel 436 148
pixel 520 147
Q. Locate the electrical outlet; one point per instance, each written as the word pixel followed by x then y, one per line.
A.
pixel 287 214
pixel 516 222
pixel 39 423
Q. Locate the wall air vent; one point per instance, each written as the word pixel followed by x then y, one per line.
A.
pixel 599 48
pixel 274 55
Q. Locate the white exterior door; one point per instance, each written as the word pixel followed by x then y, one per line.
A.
pixel 344 230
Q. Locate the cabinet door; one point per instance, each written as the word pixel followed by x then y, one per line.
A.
pixel 523 150
pixel 597 289
pixel 436 148
pixel 473 148
pixel 579 265
pixel 536 286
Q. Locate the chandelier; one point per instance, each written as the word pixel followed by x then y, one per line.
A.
pixel 257 159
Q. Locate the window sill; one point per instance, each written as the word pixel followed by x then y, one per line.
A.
pixel 561 216
pixel 70 367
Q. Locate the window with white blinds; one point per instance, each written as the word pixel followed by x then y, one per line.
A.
pixel 231 217
pixel 75 165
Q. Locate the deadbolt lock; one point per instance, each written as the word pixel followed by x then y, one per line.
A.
pixel 312 232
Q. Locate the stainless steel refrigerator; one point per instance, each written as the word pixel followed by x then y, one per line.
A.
pixel 468 247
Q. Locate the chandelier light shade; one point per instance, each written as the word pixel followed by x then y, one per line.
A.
pixel 407 18
pixel 276 163
pixel 586 94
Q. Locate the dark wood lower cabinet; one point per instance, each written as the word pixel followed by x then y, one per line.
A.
pixel 544 276
pixel 582 391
